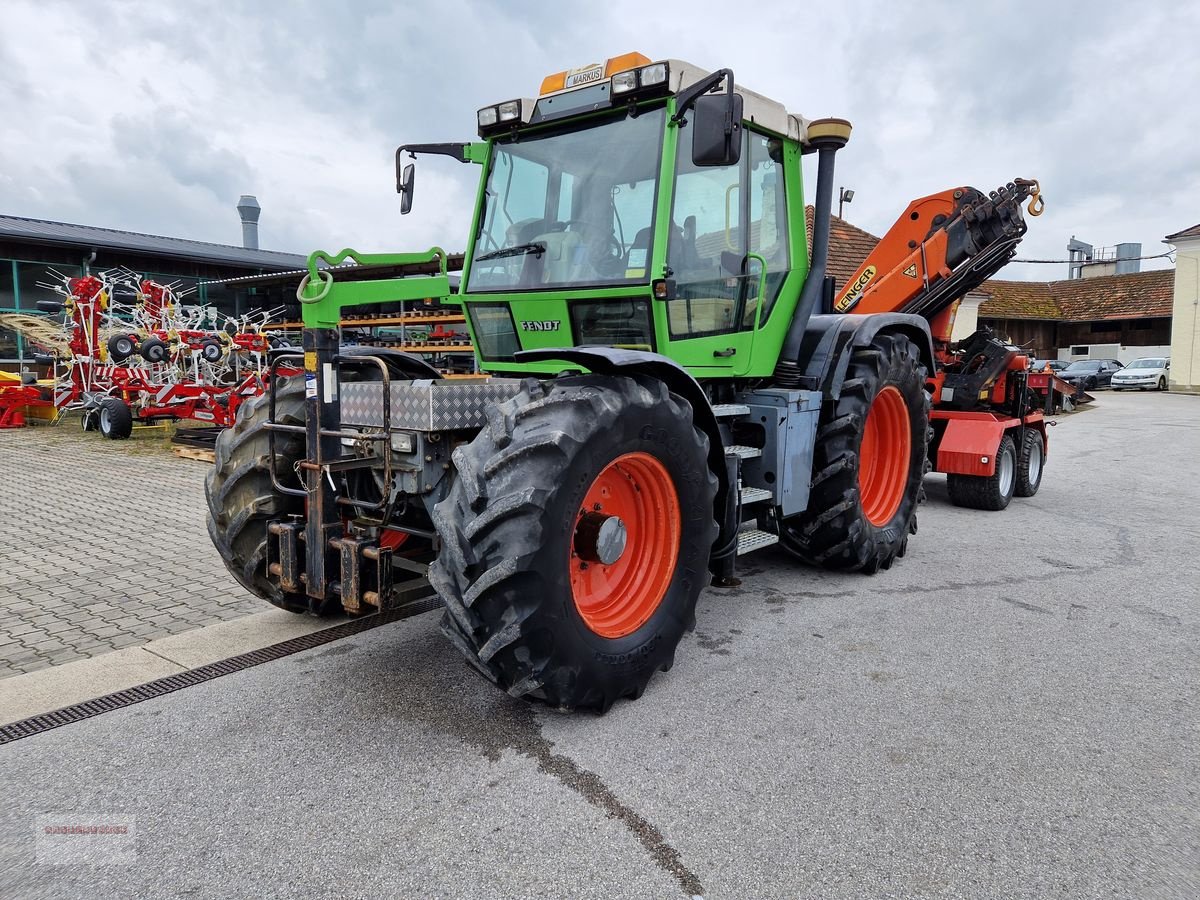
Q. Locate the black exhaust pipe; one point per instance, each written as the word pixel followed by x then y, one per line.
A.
pixel 826 137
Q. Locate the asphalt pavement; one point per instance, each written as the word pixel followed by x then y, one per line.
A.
pixel 1010 712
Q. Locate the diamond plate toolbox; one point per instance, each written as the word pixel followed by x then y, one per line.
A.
pixel 425 405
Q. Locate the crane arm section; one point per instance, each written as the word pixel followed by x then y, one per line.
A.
pixel 943 246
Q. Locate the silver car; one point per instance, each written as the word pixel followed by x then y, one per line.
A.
pixel 1149 373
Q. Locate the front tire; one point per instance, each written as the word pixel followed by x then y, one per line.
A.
pixel 241 498
pixel 1162 382
pixel 575 539
pixel 991 492
pixel 1031 462
pixel 870 457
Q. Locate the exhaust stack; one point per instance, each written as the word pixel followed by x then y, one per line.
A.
pixel 249 210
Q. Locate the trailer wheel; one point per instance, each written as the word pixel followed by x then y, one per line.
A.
pixel 115 419
pixel 575 539
pixel 153 350
pixel 870 456
pixel 991 492
pixel 1031 461
pixel 241 498
pixel 121 347
pixel 211 351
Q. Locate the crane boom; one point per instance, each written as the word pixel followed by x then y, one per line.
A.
pixel 941 247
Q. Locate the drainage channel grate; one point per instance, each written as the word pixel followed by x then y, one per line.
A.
pixel 119 700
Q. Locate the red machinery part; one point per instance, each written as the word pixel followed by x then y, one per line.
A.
pixel 968 442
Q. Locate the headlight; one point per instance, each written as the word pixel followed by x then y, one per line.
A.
pixel 649 79
pixel 624 82
pixel 509 111
pixel 488 116
pixel 653 75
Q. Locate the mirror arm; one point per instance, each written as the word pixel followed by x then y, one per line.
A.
pixel 685 100
pixel 459 151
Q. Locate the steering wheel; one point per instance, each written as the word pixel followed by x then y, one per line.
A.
pixel 612 254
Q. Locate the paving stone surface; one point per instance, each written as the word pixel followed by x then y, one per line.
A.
pixel 102 546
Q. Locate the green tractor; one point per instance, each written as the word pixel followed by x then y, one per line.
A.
pixel 667 389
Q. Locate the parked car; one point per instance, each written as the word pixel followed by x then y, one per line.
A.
pixel 1090 374
pixel 1039 365
pixel 1147 373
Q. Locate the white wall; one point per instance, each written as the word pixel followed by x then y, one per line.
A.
pixel 1185 323
pixel 1126 354
pixel 966 318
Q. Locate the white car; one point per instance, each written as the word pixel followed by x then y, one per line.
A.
pixel 1148 373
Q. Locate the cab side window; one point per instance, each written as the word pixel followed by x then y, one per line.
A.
pixel 716 285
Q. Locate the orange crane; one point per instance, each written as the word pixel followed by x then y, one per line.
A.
pixel 989 431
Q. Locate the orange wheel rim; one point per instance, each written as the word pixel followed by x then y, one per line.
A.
pixel 884 456
pixel 634 494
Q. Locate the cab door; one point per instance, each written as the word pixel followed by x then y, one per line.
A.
pixel 722 269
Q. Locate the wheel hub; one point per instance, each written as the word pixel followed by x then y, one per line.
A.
pixel 600 538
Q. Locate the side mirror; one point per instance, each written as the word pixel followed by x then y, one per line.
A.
pixel 406 188
pixel 717 130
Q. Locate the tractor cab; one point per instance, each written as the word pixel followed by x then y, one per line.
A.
pixel 642 205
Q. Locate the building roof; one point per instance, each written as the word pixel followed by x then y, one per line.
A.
pixel 1018 300
pixel 1139 295
pixel 1193 232
pixel 849 246
pixel 63 234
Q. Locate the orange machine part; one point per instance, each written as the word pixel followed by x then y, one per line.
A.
pixel 884 456
pixel 617 600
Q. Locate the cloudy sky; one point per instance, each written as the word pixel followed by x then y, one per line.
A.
pixel 155 116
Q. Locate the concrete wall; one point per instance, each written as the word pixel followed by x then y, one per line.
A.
pixel 1185 327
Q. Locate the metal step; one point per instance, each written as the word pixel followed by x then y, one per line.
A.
pixel 754 495
pixel 728 410
pixel 743 451
pixel 752 539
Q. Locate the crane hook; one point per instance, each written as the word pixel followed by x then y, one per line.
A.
pixel 1036 204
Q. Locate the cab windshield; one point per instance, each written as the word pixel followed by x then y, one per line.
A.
pixel 570 208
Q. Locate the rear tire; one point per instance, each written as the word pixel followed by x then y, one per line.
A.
pixel 991 492
pixel 1031 462
pixel 863 503
pixel 521 605
pixel 241 498
pixel 115 420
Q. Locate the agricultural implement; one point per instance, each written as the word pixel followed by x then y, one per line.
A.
pixel 671 387
pixel 150 360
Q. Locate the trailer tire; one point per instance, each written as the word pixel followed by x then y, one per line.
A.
pixel 241 498
pixel 115 419
pixel 523 602
pixel 87 421
pixel 121 347
pixel 860 514
pixel 154 350
pixel 1031 462
pixel 989 492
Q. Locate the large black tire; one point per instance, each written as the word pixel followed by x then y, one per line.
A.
pixel 241 498
pixel 836 532
pixel 154 351
pixel 121 347
pixel 1031 463
pixel 116 419
pixel 991 492
pixel 510 525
